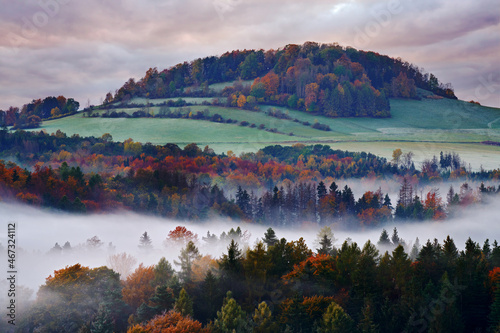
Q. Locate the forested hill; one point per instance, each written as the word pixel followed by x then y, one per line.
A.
pixel 323 78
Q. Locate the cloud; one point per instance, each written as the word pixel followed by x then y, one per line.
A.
pixel 85 49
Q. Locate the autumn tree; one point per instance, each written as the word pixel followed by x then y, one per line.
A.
pixel 171 321
pixel 122 263
pixel 138 287
pixel 76 296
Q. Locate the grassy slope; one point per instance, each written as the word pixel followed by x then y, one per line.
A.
pixel 425 127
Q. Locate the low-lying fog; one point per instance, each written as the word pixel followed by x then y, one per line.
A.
pixel 37 231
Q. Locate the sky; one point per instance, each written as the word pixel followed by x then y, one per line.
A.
pixel 84 49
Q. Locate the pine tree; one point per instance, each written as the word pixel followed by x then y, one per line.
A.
pixel 184 304
pixel 163 299
pixel 367 323
pixel 270 237
pixel 395 238
pixel 384 239
pixel 387 202
pixel 446 317
pixel 163 272
pixel 189 254
pixel 326 245
pixel 263 321
pixel 336 320
pixel 103 323
pixel 145 242
pixel 321 189
pixel 231 317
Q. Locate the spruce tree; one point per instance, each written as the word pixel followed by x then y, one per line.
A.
pixel 184 304
pixel 384 239
pixel 270 237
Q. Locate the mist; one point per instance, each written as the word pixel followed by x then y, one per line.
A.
pixel 37 231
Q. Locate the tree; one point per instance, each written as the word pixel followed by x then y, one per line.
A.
pixel 171 321
pixel 263 320
pixel 326 245
pixel 242 100
pixel 336 320
pixel 325 231
pixel 163 272
pixel 231 317
pixel 103 323
pixel 138 287
pixel 395 238
pixel 384 239
pixel 367 323
pixel 75 297
pixel 180 236
pixel 321 190
pixel 184 304
pixel 122 263
pixel 396 156
pixel 189 254
pixel 270 237
pixel 145 242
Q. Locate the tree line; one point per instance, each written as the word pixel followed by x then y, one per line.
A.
pixel 278 285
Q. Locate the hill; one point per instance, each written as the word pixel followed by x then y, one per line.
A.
pixel 319 78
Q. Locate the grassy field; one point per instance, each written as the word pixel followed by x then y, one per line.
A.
pixel 161 131
pixel 425 127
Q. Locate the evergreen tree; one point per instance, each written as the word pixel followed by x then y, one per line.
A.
pixel 163 272
pixel 184 304
pixel 395 238
pixel 231 317
pixel 367 323
pixel 384 239
pixel 189 254
pixel 103 323
pixel 336 320
pixel 270 237
pixel 145 242
pixel 208 302
pixel 326 245
pixel 263 321
pixel 446 317
pixel 387 202
pixel 321 189
pixel 163 299
pixel 144 313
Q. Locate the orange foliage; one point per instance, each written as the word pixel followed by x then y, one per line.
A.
pixel 319 265
pixel 181 235
pixel 138 287
pixel 170 322
pixel 494 277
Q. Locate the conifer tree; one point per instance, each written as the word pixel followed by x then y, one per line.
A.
pixel 184 304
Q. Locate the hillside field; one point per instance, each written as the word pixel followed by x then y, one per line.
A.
pixel 425 127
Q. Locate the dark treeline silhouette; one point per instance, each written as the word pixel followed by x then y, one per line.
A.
pixel 282 286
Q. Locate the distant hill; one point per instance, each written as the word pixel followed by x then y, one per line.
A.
pixel 324 79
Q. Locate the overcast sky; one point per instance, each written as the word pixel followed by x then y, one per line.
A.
pixel 83 49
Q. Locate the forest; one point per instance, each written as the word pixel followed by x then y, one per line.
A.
pixel 324 79
pixel 276 186
pixel 276 285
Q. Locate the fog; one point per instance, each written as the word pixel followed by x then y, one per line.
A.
pixel 38 230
